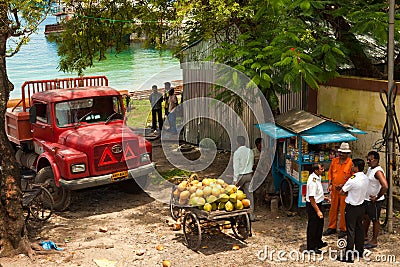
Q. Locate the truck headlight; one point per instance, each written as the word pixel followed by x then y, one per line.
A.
pixel 77 168
pixel 144 157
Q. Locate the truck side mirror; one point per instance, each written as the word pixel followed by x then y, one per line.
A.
pixel 32 114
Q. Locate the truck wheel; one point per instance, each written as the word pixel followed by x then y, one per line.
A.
pixel 134 186
pixel 61 196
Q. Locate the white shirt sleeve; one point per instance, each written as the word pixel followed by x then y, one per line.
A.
pixel 312 189
pixel 347 186
pixel 235 167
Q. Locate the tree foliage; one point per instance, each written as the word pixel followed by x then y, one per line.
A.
pixel 277 43
pixel 97 28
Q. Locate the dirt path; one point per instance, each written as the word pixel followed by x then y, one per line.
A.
pixel 107 227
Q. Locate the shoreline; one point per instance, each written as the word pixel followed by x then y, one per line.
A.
pixel 134 95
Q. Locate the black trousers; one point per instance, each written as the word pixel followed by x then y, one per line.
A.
pixel 355 233
pixel 156 113
pixel 315 227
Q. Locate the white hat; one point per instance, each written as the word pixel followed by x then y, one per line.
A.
pixel 344 147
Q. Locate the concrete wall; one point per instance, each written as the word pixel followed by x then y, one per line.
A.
pixel 356 101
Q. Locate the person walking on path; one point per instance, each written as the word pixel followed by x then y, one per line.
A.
pixel 172 104
pixel 339 172
pixel 243 161
pixel 314 199
pixel 355 189
pixel 156 108
pixel 374 198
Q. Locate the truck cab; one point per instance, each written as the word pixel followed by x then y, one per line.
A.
pixel 78 139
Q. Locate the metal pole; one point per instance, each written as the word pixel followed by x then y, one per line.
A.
pixel 390 147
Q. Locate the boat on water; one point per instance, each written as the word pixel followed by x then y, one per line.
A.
pixel 63 14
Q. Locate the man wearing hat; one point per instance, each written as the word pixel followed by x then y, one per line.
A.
pixel 339 172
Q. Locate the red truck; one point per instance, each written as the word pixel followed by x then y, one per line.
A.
pixel 71 132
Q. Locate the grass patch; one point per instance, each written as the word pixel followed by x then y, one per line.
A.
pixel 168 175
pixel 140 114
pixel 175 172
pixel 174 176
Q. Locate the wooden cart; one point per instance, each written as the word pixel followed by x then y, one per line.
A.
pixel 195 219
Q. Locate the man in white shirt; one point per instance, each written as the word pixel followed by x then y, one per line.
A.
pixel 355 189
pixel 243 160
pixel 314 199
pixel 377 188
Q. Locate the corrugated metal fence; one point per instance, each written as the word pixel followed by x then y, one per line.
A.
pixel 198 82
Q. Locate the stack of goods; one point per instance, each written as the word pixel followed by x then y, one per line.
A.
pixel 210 194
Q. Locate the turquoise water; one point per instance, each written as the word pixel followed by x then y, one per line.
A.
pixel 134 69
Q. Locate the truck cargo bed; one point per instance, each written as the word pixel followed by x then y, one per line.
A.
pixel 18 128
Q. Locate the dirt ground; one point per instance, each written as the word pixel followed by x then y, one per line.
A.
pixel 107 227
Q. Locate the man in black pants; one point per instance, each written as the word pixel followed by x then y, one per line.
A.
pixel 314 198
pixel 156 109
pixel 355 189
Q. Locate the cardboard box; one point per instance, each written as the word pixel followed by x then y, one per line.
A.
pixel 304 176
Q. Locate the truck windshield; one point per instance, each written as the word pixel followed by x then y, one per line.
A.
pixel 89 110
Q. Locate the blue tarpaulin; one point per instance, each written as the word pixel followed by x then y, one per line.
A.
pixel 322 130
pixel 274 131
pixel 315 139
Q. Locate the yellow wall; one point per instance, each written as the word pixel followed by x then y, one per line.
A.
pixel 362 109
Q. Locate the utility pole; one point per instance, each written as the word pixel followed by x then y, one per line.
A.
pixel 391 145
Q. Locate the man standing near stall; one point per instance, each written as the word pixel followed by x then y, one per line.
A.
pixel 355 189
pixel 243 161
pixel 377 188
pixel 314 199
pixel 339 172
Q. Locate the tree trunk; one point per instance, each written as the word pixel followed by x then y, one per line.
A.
pixel 13 237
pixel 362 63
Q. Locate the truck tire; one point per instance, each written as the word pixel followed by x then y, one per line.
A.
pixel 61 196
pixel 134 186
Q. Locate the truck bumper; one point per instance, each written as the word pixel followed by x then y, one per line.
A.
pixel 105 179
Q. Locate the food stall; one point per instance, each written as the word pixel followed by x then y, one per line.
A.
pixel 302 139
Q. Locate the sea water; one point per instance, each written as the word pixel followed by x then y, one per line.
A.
pixel 136 68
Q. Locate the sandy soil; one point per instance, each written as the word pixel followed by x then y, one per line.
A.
pixel 107 227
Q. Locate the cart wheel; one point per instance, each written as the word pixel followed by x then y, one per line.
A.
pixel 383 219
pixel 192 231
pixel 241 226
pixel 42 205
pixel 176 211
pixel 286 194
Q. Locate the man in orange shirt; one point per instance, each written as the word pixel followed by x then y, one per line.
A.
pixel 339 172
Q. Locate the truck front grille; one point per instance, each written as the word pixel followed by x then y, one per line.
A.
pixel 115 157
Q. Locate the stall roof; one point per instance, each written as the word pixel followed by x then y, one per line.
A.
pixel 314 129
pixel 315 139
pixel 274 131
pixel 298 121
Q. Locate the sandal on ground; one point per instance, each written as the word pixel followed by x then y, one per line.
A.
pixel 369 245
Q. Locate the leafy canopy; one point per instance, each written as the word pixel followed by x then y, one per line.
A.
pixel 101 26
pixel 277 43
pixel 23 18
